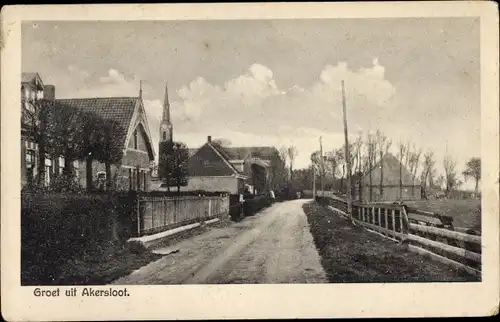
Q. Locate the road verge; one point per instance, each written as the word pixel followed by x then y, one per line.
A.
pixel 350 254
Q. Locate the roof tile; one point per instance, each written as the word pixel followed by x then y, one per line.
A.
pixel 118 109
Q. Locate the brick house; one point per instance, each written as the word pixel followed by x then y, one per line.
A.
pixel 134 170
pixel 210 170
pixel 253 162
pixel 33 90
pixel 392 189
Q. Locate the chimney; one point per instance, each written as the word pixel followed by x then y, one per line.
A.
pixel 49 92
pixel 209 139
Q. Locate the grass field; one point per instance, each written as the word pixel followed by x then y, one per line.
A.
pixel 465 213
pixel 354 255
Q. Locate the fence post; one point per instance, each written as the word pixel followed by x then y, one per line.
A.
pixel 164 211
pixel 373 215
pixel 393 215
pixel 400 221
pixel 209 207
pixel 175 212
pixel 379 217
pixel 386 215
pixel 138 217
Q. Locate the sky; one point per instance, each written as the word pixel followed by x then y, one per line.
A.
pixel 277 82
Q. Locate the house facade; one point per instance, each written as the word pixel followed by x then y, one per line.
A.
pixel 398 183
pixel 32 91
pixel 133 172
pixel 253 162
pixel 210 170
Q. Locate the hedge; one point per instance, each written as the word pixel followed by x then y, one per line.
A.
pixel 174 193
pixel 255 203
pixel 57 227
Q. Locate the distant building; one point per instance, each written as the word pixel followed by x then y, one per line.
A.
pixel 253 162
pixel 210 170
pixel 134 170
pixel 392 188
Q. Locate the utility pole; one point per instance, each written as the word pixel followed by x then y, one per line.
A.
pixel 314 177
pixel 348 156
pixel 322 166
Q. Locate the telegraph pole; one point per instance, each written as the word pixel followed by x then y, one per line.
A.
pixel 322 169
pixel 314 178
pixel 348 156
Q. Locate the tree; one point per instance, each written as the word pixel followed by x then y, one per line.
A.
pixel 428 172
pixel 357 146
pixel 65 137
pixel 92 131
pixel 221 143
pixel 450 177
pixel 371 156
pixel 473 170
pixel 383 144
pixel 401 154
pixel 334 157
pixel 108 149
pixel 277 170
pixel 173 164
pixel 291 152
pixel 36 118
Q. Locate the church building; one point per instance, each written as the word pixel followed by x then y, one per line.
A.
pixel 166 124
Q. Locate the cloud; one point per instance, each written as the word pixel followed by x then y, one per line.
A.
pixel 251 109
pixel 252 102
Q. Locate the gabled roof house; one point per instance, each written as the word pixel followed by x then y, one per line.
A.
pixel 134 170
pixel 210 170
pixel 398 182
pixel 253 162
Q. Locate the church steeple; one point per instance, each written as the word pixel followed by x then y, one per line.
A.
pixel 166 106
pixel 166 125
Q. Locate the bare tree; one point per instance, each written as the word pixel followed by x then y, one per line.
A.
pixel 401 155
pixel 416 160
pixel 334 159
pixel 371 155
pixel 473 170
pixel 450 177
pixel 383 144
pixel 428 172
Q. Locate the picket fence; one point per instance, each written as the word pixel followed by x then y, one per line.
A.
pixel 423 232
pixel 157 214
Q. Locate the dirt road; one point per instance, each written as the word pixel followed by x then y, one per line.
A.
pixel 274 246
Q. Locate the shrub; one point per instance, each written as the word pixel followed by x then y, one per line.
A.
pixel 59 227
pixel 174 193
pixel 255 204
pixel 234 207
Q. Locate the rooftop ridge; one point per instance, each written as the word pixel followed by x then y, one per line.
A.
pixel 89 98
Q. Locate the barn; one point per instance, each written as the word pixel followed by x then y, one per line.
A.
pixel 398 183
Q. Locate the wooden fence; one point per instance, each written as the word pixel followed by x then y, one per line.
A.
pixel 424 232
pixel 157 214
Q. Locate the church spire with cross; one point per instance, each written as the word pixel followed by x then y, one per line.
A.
pixel 166 125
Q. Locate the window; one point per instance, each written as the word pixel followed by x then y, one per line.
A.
pixel 61 165
pixel 130 179
pixel 138 179
pixel 30 158
pixel 164 136
pixel 135 139
pixel 48 167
